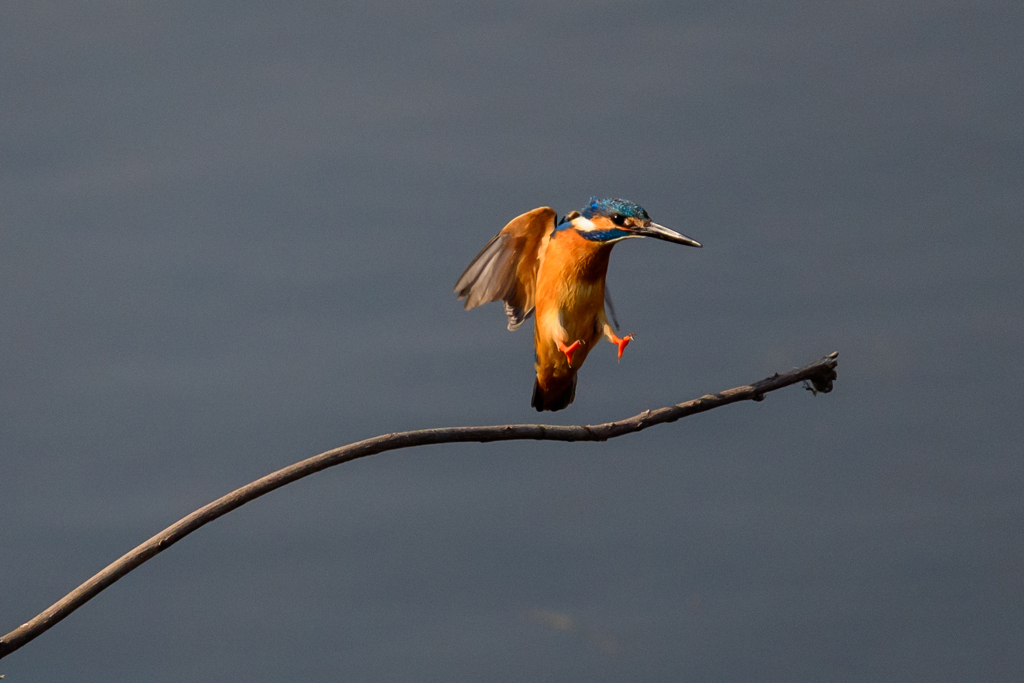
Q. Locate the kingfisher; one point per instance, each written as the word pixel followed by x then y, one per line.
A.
pixel 557 269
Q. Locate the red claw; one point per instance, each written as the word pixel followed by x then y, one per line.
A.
pixel 569 350
pixel 622 343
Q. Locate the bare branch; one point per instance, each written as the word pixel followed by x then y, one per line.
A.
pixel 820 374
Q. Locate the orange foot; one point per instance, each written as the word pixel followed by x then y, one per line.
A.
pixel 570 349
pixel 621 343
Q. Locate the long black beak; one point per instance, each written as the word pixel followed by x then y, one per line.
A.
pixel 663 233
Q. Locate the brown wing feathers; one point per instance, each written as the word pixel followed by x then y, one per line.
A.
pixel 506 269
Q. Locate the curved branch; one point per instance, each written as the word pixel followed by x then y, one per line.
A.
pixel 820 374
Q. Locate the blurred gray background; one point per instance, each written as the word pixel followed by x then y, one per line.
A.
pixel 229 233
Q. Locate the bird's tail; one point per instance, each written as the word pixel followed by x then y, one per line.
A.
pixel 555 397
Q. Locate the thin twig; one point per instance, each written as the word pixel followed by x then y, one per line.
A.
pixel 820 373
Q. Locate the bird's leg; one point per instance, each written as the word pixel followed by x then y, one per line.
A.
pixel 560 335
pixel 570 349
pixel 621 342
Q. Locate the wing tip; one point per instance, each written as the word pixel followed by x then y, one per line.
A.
pixel 516 316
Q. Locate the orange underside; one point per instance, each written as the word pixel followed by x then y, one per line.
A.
pixel 569 307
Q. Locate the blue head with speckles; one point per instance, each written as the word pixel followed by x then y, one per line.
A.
pixel 611 207
pixel 610 220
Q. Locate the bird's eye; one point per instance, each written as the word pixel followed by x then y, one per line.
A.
pixel 619 220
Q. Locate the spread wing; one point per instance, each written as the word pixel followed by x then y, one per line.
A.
pixel 506 269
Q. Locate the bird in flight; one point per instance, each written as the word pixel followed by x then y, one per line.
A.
pixel 556 269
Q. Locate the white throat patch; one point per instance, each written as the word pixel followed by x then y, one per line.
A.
pixel 584 224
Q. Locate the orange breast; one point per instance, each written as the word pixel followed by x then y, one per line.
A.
pixel 569 303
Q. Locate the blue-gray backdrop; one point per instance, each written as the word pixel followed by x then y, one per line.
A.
pixel 228 237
